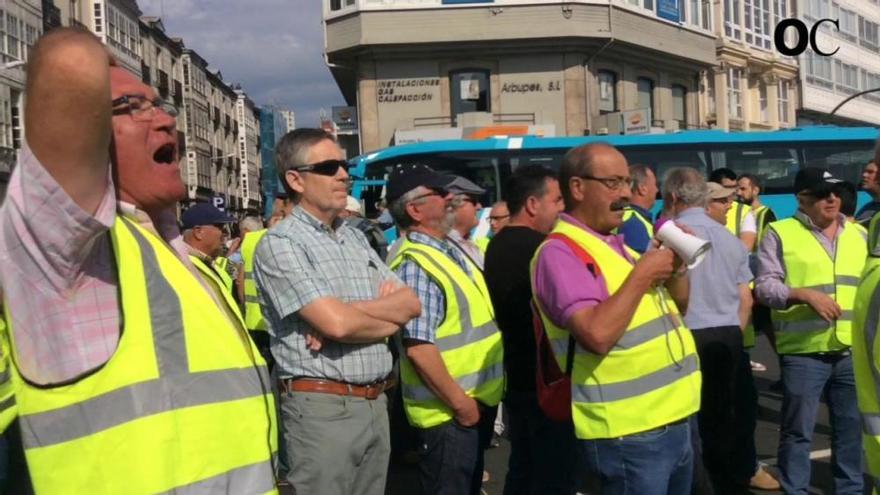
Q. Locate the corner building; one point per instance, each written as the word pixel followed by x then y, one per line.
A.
pixel 565 68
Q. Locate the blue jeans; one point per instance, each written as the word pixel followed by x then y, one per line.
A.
pixel 655 462
pixel 805 379
pixel 542 451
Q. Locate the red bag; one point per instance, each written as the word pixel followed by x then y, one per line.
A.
pixel 554 386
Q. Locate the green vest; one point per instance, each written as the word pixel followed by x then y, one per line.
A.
pixel 213 277
pixel 736 215
pixel 253 315
pixel 652 375
pixel 182 406
pixel 8 409
pixel 799 330
pixel 866 366
pixel 873 239
pixel 221 263
pixel 468 338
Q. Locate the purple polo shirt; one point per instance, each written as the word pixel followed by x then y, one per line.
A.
pixel 562 283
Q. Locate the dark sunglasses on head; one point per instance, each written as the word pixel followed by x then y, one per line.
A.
pixel 327 167
pixel 823 194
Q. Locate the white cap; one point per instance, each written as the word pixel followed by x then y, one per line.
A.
pixel 353 205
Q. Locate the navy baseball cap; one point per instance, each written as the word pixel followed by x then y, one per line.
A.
pixel 405 178
pixel 203 214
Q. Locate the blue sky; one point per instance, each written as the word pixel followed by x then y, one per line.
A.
pixel 273 48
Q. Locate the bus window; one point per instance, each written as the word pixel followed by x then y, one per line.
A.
pixel 662 160
pixel 776 166
pixel 844 161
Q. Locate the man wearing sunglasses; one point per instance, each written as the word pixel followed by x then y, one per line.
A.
pixel 808 270
pixel 331 305
pixel 93 267
pixel 452 367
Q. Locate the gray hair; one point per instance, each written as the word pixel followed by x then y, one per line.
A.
pixel 398 208
pixel 687 185
pixel 639 174
pixel 251 224
pixel 292 150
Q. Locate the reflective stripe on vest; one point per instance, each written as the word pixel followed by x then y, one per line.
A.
pixel 177 386
pixel 653 366
pixel 736 216
pixel 866 366
pixel 761 223
pixel 629 212
pixel 253 315
pixel 799 330
pixel 8 409
pixel 468 338
pixel 220 264
pixel 215 280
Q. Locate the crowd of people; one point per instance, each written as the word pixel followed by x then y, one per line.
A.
pixel 146 353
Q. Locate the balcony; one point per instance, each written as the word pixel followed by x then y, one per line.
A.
pixel 163 83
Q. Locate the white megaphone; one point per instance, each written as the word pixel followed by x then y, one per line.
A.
pixel 690 248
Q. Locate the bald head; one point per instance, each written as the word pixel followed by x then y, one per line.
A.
pixel 584 161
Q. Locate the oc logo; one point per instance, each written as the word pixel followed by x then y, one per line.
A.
pixel 804 37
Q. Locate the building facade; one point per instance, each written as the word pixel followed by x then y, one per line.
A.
pixel 752 87
pixel 826 81
pixel 196 111
pixel 21 23
pixel 226 162
pixel 274 124
pixel 561 67
pixel 249 152
pixel 115 22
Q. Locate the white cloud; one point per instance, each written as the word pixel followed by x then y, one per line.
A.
pixel 273 48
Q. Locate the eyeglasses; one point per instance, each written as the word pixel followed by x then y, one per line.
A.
pixel 140 108
pixel 820 195
pixel 498 218
pixel 612 183
pixel 460 200
pixel 327 167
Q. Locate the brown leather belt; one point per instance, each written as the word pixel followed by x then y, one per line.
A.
pixel 370 391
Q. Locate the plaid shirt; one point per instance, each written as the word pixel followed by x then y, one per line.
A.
pixel 431 295
pixel 301 260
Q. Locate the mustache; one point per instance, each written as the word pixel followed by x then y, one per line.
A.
pixel 619 205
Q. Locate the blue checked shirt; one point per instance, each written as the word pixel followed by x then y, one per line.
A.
pixel 424 327
pixel 300 260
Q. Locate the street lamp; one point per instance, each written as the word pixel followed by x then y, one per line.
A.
pixel 852 97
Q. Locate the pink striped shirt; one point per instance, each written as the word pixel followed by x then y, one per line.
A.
pixel 57 275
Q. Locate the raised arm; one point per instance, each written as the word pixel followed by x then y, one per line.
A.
pixel 67 113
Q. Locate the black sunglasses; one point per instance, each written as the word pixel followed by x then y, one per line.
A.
pixel 327 167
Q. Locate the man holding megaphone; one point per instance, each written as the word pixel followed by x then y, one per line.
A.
pixel 635 371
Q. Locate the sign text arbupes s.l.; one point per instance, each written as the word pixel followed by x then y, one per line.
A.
pixel 805 36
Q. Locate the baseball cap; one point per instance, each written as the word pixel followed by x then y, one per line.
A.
pixel 405 178
pixel 460 185
pixel 717 191
pixel 814 181
pixel 203 214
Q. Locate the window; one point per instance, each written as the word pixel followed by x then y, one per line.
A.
pixel 846 77
pixel 762 101
pixel 732 19
pixel 817 9
pixel 13 38
pixel 868 34
pixel 607 91
pixel 679 105
pixel 782 101
pixel 759 23
pixel 849 24
pixel 645 89
pixel 340 4
pixel 710 92
pixel 734 92
pixel 819 70
pixel 706 14
pixel 470 91
pixel 699 13
pixel 647 4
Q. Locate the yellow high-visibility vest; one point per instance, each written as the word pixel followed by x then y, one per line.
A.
pixel 866 367
pixel 468 338
pixel 253 315
pixel 8 408
pixel 182 406
pixel 736 215
pixel 221 263
pixel 215 279
pixel 652 375
pixel 799 330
